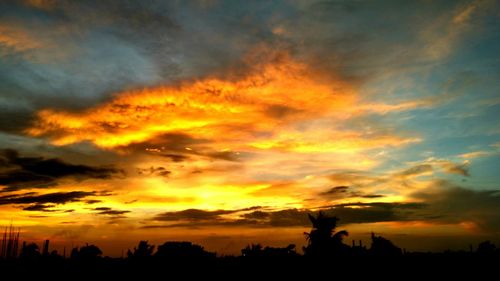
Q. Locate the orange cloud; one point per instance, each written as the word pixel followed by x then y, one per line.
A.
pixel 266 138
pixel 275 97
pixel 17 39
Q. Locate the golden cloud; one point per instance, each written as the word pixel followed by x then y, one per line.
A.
pixel 276 106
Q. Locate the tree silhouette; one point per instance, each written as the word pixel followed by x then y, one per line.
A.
pixel 143 250
pixel 257 251
pixel 88 252
pixel 253 250
pixel 30 251
pixel 323 241
pixel 182 250
pixel 486 248
pixel 384 247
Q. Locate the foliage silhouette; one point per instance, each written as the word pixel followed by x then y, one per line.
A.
pixel 183 250
pixel 325 246
pixel 143 251
pixel 486 248
pixel 86 253
pixel 257 251
pixel 30 251
pixel 384 247
pixel 323 241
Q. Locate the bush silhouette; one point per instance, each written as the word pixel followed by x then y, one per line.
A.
pixel 86 253
pixel 486 248
pixel 384 247
pixel 172 250
pixel 257 251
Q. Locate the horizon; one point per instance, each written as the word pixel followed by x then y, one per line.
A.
pixel 225 123
pixel 118 249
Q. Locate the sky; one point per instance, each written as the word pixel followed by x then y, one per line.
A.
pixel 227 122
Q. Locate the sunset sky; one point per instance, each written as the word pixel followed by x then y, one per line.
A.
pixel 226 122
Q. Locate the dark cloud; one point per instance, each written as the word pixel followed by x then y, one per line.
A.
pixel 416 170
pixel 290 217
pixel 192 215
pixel 102 209
pixel 372 196
pixel 199 215
pixel 349 213
pixel 170 145
pixel 55 198
pixel 343 191
pixel 258 215
pixel 46 208
pixel 92 201
pixel 40 208
pixel 453 204
pixel 180 147
pixel 32 201
pixel 175 157
pixel 18 172
pixel 447 204
pixel 335 190
pixel 221 155
pixel 280 111
pixel 110 212
pixel 377 212
pixel 114 212
pixel 154 171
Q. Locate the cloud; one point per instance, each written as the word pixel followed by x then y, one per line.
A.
pixel 40 208
pixel 179 147
pixel 462 169
pixel 193 215
pixel 15 39
pixel 416 170
pixel 444 34
pixel 75 54
pixel 32 201
pixel 335 190
pixel 415 176
pixel 175 157
pixel 154 171
pixel 214 111
pixel 451 205
pixel 199 215
pixel 256 215
pixel 348 213
pixel 342 191
pixel 18 172
pixel 453 168
pixel 454 204
pixel 477 154
pixel 206 107
pixel 110 212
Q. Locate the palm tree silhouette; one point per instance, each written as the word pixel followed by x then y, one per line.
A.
pixel 323 240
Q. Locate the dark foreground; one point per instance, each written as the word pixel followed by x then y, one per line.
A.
pixel 235 268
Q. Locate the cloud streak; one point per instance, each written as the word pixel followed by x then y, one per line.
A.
pixel 17 172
